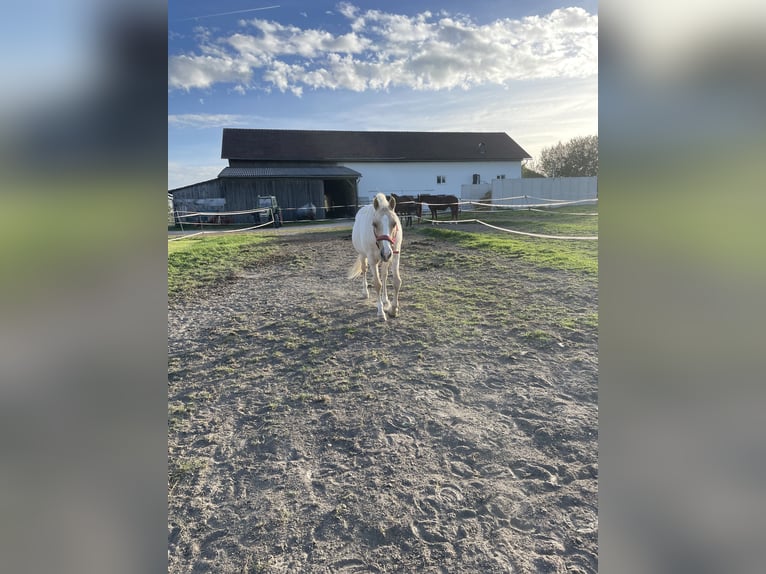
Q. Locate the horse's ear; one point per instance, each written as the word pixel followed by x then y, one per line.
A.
pixel 392 202
pixel 375 203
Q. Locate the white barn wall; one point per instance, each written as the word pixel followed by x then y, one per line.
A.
pixel 411 178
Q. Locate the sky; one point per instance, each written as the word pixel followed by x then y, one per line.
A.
pixel 528 68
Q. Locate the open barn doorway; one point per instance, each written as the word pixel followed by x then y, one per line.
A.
pixel 340 197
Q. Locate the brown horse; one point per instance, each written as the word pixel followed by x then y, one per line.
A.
pixel 406 207
pixel 437 202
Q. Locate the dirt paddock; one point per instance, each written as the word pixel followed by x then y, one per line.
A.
pixel 305 435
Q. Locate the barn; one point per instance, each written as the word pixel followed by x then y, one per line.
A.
pixel 328 174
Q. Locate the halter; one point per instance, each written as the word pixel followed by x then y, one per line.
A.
pixel 390 238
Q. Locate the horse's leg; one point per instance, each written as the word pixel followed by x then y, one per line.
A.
pixel 365 291
pixel 397 285
pixel 378 290
pixel 384 280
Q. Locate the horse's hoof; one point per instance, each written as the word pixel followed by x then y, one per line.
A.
pixel 394 312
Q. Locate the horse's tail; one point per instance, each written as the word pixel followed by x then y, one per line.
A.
pixel 356 269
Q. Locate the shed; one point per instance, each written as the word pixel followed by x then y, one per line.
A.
pixel 331 190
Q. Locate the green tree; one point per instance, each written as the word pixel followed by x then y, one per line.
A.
pixel 576 158
pixel 529 169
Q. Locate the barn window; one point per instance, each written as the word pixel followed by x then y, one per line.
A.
pixel 441 179
pixel 501 176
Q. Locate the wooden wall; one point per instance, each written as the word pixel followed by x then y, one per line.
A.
pixel 241 194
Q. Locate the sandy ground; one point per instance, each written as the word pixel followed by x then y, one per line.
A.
pixel 305 435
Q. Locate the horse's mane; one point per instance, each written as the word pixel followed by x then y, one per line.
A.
pixel 381 199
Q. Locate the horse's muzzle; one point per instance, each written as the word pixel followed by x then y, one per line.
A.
pixel 386 244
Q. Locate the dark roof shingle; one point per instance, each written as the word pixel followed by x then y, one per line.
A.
pixel 320 172
pixel 335 146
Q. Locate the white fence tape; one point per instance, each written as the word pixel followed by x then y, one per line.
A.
pixel 540 235
pixel 223 231
pixel 220 213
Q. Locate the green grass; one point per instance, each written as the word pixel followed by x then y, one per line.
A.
pixel 573 255
pixel 544 253
pixel 575 323
pixel 538 336
pixel 182 470
pixel 568 220
pixel 205 261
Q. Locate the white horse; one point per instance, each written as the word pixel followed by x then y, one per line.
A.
pixel 377 237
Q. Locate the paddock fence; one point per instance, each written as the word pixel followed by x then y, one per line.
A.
pixel 499 195
pixel 529 191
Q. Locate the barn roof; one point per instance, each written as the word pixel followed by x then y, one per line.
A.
pixel 336 146
pixel 319 172
pixel 171 191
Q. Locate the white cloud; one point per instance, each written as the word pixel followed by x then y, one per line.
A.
pixel 187 72
pixel 282 76
pixel 383 50
pixel 274 40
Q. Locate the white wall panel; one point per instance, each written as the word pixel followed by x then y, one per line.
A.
pixel 413 178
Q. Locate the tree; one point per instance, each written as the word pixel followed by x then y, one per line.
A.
pixel 528 169
pixel 576 158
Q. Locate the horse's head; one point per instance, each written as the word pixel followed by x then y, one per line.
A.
pixel 384 225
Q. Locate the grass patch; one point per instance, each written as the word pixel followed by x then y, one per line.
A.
pixel 545 253
pixel 179 412
pixel 580 322
pixel 205 261
pixel 570 220
pixel 591 320
pixel 184 470
pixel 539 337
pixel 571 255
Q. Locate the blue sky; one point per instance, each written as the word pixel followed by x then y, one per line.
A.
pixel 528 68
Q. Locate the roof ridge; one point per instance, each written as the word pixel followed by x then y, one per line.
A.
pixel 265 144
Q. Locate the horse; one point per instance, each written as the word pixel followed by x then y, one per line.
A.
pixel 437 202
pixel 407 206
pixel 377 237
